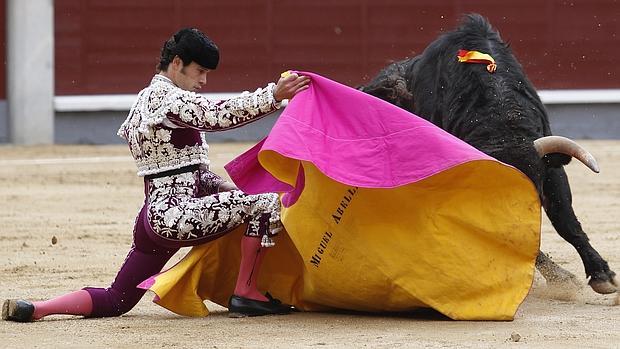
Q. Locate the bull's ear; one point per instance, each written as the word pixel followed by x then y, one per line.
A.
pixel 396 94
pixel 400 89
pixel 379 91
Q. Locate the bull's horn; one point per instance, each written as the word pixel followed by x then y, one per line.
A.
pixel 558 144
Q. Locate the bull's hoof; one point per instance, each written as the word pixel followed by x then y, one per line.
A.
pixel 604 286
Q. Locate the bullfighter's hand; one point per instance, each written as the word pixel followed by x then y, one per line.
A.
pixel 289 85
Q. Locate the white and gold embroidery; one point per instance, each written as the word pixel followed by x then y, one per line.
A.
pixel 161 108
pixel 187 206
pixel 175 212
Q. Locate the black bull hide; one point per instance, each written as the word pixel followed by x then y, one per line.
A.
pixel 499 113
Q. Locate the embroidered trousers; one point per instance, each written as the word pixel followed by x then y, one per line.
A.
pixel 181 210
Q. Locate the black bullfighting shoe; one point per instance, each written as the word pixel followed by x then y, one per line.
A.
pixel 242 307
pixel 17 310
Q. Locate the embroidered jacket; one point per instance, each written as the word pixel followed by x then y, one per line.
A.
pixel 163 128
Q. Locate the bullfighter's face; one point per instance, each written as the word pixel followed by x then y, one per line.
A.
pixel 191 77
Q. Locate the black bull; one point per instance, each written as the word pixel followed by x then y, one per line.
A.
pixel 501 114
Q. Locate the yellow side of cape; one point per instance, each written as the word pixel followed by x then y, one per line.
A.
pixel 463 241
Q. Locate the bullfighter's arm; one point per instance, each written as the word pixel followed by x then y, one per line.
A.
pixel 189 109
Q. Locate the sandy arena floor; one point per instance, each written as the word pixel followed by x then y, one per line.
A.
pixel 87 197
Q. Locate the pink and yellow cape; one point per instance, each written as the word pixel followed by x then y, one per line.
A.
pixel 383 212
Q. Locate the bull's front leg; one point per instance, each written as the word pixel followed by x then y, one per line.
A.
pixel 558 206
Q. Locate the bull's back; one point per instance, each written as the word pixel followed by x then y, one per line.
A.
pixel 466 99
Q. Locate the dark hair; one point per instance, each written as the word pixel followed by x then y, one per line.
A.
pixel 191 45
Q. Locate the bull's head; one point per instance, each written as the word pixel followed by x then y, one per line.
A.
pixel 393 84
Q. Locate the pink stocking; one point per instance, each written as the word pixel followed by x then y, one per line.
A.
pixel 251 258
pixel 74 303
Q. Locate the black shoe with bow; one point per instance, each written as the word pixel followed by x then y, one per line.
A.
pixel 242 307
pixel 17 310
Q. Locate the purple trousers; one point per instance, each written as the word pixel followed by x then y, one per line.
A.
pixel 161 228
pixel 145 258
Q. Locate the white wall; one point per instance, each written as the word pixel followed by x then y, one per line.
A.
pixel 30 71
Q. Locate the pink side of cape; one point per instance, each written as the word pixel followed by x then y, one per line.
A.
pixel 353 138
